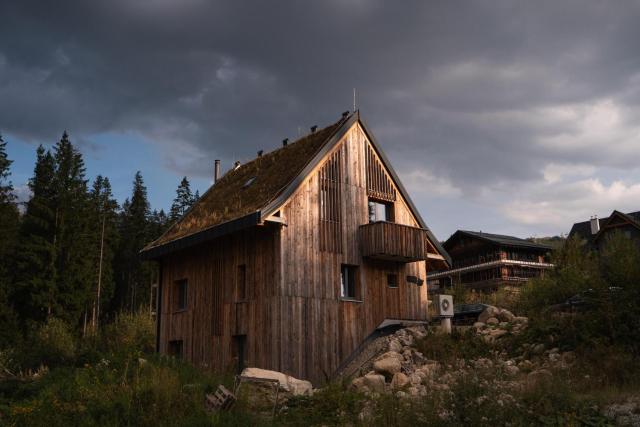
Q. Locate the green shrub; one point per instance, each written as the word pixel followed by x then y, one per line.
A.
pixel 52 344
pixel 447 348
pixel 130 332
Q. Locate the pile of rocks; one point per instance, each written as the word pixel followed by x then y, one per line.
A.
pixel 626 413
pixel 405 371
pixel 494 323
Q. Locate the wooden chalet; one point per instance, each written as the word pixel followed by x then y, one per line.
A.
pixel 291 261
pixel 596 231
pixel 489 261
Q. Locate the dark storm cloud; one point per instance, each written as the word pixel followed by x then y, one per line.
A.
pixel 464 89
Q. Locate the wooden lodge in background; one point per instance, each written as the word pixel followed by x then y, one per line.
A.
pixel 291 261
pixel 484 261
pixel 596 231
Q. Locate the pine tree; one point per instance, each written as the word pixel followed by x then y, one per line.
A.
pixel 133 278
pixel 34 272
pixel 183 201
pixel 9 222
pixel 158 224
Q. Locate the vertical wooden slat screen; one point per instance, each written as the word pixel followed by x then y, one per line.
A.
pixel 330 181
pixel 379 185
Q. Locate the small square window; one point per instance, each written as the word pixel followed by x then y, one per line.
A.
pixel 392 280
pixel 181 294
pixel 380 211
pixel 349 282
pixel 176 348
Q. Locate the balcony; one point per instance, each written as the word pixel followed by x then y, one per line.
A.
pixel 393 242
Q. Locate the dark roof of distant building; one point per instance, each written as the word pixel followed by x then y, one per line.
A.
pixel 498 239
pixel 583 229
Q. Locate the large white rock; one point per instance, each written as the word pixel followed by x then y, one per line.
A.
pixel 288 383
pixel 374 382
pixel 399 381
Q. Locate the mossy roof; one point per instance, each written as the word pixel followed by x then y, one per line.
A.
pixel 231 198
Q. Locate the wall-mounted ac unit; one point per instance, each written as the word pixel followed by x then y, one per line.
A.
pixel 444 305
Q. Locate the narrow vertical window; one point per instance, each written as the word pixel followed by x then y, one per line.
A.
pixel 181 295
pixel 392 280
pixel 349 287
pixel 241 283
pixel 176 349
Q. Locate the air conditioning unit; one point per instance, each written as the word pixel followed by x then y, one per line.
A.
pixel 444 305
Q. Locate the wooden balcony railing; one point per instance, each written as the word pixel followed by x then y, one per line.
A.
pixel 393 242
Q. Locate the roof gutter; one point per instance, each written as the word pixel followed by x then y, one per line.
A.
pixel 219 230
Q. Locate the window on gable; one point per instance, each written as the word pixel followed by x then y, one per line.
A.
pixel 349 286
pixel 181 294
pixel 380 211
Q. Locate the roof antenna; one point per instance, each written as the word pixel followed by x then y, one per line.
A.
pixel 354 99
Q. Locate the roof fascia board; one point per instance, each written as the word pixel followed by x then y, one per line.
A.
pixel 190 240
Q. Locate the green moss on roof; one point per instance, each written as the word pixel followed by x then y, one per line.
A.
pixel 229 199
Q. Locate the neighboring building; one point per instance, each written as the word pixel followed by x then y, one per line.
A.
pixel 595 231
pixel 488 261
pixel 291 261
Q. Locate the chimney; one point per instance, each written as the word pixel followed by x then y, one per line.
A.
pixel 595 224
pixel 285 142
pixel 216 171
pixel 236 164
pixel 313 128
pixel 260 153
pixel 344 115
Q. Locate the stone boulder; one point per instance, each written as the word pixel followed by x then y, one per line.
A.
pixel 488 312
pixel 492 321
pixel 506 316
pixel 374 382
pixel 287 383
pixel 388 364
pixel 399 381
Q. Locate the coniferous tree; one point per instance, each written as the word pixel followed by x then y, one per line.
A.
pixel 103 233
pixel 158 224
pixel 74 273
pixel 133 278
pixel 34 272
pixel 183 201
pixel 9 222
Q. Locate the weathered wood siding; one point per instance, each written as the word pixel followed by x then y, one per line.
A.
pixel 213 314
pixel 319 330
pixel 293 317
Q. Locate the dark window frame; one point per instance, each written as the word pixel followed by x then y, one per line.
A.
pixel 353 291
pixel 389 210
pixel 181 295
pixel 392 281
pixel 241 283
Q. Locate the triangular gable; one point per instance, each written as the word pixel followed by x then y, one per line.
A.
pixel 259 214
pixel 616 219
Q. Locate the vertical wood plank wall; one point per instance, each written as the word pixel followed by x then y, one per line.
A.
pixel 293 318
pixel 320 330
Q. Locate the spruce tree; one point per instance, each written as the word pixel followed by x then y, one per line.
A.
pixel 9 222
pixel 183 201
pixel 133 278
pixel 74 273
pixel 34 273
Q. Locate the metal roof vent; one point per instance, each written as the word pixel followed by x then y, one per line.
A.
pixel 285 142
pixel 260 153
pixel 314 128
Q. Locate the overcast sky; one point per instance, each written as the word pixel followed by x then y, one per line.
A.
pixel 501 116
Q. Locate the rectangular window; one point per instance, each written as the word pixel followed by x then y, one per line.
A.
pixel 241 283
pixel 176 348
pixel 380 211
pixel 181 295
pixel 392 280
pixel 349 282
